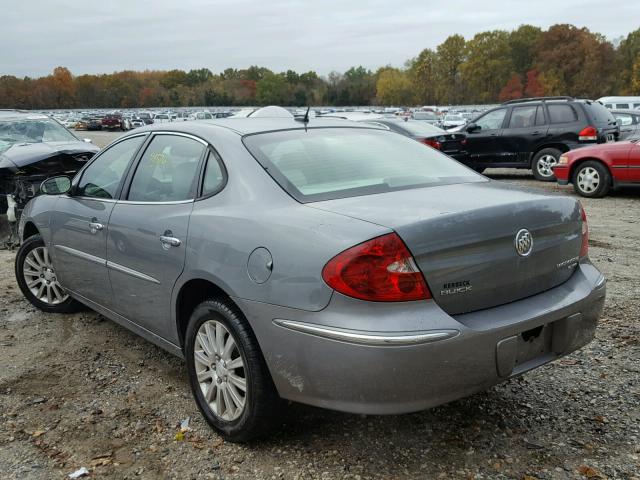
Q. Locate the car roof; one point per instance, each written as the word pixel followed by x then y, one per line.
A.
pixel 626 110
pixel 249 125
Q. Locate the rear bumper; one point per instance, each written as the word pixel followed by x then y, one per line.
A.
pixel 348 359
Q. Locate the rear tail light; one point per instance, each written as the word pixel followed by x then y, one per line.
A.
pixel 588 134
pixel 432 143
pixel 584 249
pixel 379 270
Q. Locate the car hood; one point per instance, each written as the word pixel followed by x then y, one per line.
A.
pixel 617 147
pixel 21 156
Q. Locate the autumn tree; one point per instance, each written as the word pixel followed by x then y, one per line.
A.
pixel 512 90
pixel 574 61
pixel 533 87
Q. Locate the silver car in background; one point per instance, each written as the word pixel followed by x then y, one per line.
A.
pixel 330 263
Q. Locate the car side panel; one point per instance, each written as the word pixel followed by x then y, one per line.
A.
pixel 634 164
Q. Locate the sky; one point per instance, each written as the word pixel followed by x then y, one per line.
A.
pixel 322 35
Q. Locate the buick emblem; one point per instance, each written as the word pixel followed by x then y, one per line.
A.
pixel 523 242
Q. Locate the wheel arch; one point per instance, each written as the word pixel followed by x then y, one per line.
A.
pixel 29 230
pixel 190 295
pixel 558 146
pixel 574 166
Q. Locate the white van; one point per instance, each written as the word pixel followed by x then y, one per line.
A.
pixel 621 103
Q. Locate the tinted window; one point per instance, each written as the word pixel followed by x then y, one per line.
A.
pixel 540 115
pixel 167 170
pixel 599 113
pixel 102 177
pixel 328 163
pixel 636 105
pixel 623 106
pixel 562 114
pixel 213 175
pixel 492 120
pixel 523 117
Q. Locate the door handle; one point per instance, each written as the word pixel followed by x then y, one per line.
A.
pixel 168 242
pixel 95 226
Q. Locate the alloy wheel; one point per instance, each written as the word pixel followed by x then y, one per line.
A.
pixel 221 370
pixel 546 164
pixel 588 179
pixel 40 277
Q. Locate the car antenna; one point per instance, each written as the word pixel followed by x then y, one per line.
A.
pixel 304 119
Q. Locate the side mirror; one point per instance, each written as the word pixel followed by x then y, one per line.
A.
pixel 472 127
pixel 86 140
pixel 56 185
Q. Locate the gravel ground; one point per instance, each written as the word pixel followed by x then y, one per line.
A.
pixel 80 391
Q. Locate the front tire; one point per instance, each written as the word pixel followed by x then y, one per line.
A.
pixel 37 279
pixel 227 373
pixel 543 163
pixel 591 179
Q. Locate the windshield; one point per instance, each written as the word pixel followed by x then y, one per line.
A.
pixel 32 130
pixel 328 163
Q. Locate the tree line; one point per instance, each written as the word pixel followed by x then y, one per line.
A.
pixel 492 66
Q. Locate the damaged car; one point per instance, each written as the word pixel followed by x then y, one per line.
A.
pixel 33 147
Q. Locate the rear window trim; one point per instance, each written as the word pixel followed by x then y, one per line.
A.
pixel 280 180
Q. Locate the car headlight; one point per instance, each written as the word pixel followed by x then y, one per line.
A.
pixel 563 160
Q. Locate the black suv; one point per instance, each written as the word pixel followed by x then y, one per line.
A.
pixel 534 132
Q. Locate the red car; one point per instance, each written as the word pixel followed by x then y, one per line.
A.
pixel 595 169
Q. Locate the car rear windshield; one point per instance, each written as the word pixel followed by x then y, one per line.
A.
pixel 329 163
pixel 600 114
pixel 419 129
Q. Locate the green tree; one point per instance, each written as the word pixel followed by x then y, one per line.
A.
pixel 393 87
pixel 488 65
pixel 424 77
pixel 523 42
pixel 273 89
pixel 452 54
pixel 627 58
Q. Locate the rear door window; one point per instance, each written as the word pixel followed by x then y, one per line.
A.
pixel 167 170
pixel 562 113
pixel 523 117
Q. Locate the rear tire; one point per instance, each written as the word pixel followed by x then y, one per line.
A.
pixel 591 179
pixel 542 164
pixel 37 280
pixel 223 358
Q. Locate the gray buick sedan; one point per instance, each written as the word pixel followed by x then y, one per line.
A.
pixel 329 263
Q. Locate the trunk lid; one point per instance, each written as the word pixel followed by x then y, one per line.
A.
pixel 463 239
